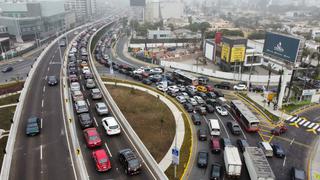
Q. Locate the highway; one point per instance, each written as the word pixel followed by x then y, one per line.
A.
pixel 45 156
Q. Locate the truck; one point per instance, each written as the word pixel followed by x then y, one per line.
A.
pixel 257 164
pixel 232 161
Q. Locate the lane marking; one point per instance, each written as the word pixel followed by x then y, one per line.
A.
pixel 88 102
pixel 222 124
pixel 41 152
pixel 82 87
pixel 42 101
pixel 105 144
pixel 41 123
pixel 292 141
pixel 284 161
pixel 45 78
pixel 96 121
pixel 80 77
pixel 48 68
pixel 44 89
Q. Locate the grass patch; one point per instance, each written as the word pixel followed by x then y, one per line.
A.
pixel 266 112
pixel 9 99
pixel 295 106
pixel 11 87
pixel 150 118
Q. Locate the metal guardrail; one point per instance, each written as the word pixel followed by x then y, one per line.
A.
pixel 151 164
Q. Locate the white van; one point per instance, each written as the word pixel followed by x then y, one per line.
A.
pixel 267 149
pixel 214 127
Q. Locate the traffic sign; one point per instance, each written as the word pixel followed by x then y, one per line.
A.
pixel 175 156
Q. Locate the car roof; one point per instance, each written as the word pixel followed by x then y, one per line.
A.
pixel 32 119
pixel 91 131
pixel 110 120
pixel 80 102
pixel 101 153
pixel 95 90
pixel 101 104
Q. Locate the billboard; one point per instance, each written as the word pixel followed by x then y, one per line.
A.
pixel 281 46
pixel 210 51
pixel 137 2
pixel 238 53
pixel 225 52
pixel 218 37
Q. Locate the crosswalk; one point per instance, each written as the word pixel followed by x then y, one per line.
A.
pixel 299 121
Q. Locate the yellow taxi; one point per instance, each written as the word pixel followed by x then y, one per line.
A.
pixel 202 89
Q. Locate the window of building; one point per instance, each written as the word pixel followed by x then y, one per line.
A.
pixel 163 35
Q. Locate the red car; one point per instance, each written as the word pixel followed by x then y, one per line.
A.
pixel 215 145
pixel 102 160
pixel 92 137
pixel 209 88
pixel 279 130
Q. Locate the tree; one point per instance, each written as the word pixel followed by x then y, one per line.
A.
pixel 317 39
pixel 257 35
pixel 210 35
pixel 203 27
pixel 227 32
pixel 194 27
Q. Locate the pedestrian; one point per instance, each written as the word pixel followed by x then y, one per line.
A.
pixel 268 103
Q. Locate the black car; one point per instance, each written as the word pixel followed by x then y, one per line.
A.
pixel 156 78
pixel 203 158
pixel 203 80
pixel 225 142
pixel 298 174
pixel 202 95
pixel 211 95
pixel 242 144
pixel 7 69
pixel 216 171
pixel 190 92
pixel 209 108
pixel 85 120
pixel 52 80
pixel 211 102
pixel 122 71
pixel 129 161
pixel 234 128
pixel 202 134
pixel 201 110
pixel 33 126
pixel 196 119
pixel 188 107
pixel 137 77
pixel 218 93
pixel 223 85
pixel 172 94
pixel 115 67
pixel 278 151
pixel 147 81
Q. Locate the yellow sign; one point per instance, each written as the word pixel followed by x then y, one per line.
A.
pixel 225 52
pixel 238 53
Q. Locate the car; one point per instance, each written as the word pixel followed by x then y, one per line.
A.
pixel 96 94
pixel 129 161
pixel 83 64
pixel 225 142
pixel 81 106
pixel 242 144
pixel 92 137
pixel 297 174
pixel 240 87
pixel 202 89
pixel 192 101
pixel 209 108
pixel 203 80
pixel 211 102
pixel 181 99
pixel 75 86
pixel 191 88
pixel 155 78
pixel 111 126
pixel 101 159
pixel 278 151
pixel 137 77
pixel 199 100
pixel 101 108
pixel 202 95
pixel 52 80
pixel 202 134
pixel 216 171
pixel 218 93
pixel 182 88
pixel 184 94
pixel 188 107
pixel 7 69
pixel 90 84
pixel 201 110
pixel 105 56
pixel 162 88
pixel 173 89
pixel 73 78
pixel 172 94
pixel 85 120
pixel 222 111
pixel 33 126
pixel 77 95
pixel 196 119
pixel 209 88
pixel 203 158
pixel 85 70
pixel 277 131
pixel 223 85
pixel 156 71
pixel 146 81
pixel 211 95
pixel 215 145
pixel 257 88
pixel 73 70
pixel 234 128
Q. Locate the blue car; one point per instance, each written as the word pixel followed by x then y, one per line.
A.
pixel 33 126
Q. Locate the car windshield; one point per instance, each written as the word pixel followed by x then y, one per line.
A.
pixel 202 155
pixel 114 127
pixel 216 171
pixel 134 163
pixel 104 160
pixel 102 107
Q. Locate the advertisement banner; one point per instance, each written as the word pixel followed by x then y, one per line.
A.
pixel 210 51
pixel 238 53
pixel 281 46
pixel 225 52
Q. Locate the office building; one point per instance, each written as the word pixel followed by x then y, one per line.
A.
pixel 83 9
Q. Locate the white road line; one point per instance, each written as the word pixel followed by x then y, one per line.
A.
pixel 80 77
pixel 44 89
pixel 88 102
pixel 45 78
pixel 284 161
pixel 41 123
pixel 48 68
pixel 53 56
pixel 245 137
pixel 96 121
pixel 42 101
pixel 222 124
pixel 41 152
pixel 105 144
pixel 292 141
pixel 82 87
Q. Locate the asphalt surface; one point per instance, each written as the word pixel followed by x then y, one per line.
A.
pixel 45 156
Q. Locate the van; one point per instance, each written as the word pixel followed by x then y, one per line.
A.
pixel 214 127
pixel 267 149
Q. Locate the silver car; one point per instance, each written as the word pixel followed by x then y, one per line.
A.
pixel 90 84
pixel 95 93
pixel 81 106
pixel 101 108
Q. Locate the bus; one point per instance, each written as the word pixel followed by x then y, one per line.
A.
pixel 244 116
pixel 188 79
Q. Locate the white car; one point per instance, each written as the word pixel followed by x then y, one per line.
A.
pixel 105 56
pixel 162 88
pixel 101 108
pixel 75 86
pixel 173 89
pixel 156 70
pixel 193 101
pixel 186 96
pixel 77 95
pixel 240 87
pixel 74 49
pixel 222 111
pixel 138 71
pixel 85 70
pixel 111 126
pixel 199 99
pixel 181 99
pixel 182 88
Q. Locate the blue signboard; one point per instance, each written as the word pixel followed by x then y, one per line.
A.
pixel 281 46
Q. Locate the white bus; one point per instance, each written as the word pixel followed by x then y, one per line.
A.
pixel 214 127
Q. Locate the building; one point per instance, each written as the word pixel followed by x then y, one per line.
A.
pixel 156 11
pixel 315 33
pixel 83 9
pixel 33 20
pixel 160 34
pixel 137 8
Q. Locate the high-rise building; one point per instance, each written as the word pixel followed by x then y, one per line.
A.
pixel 84 9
